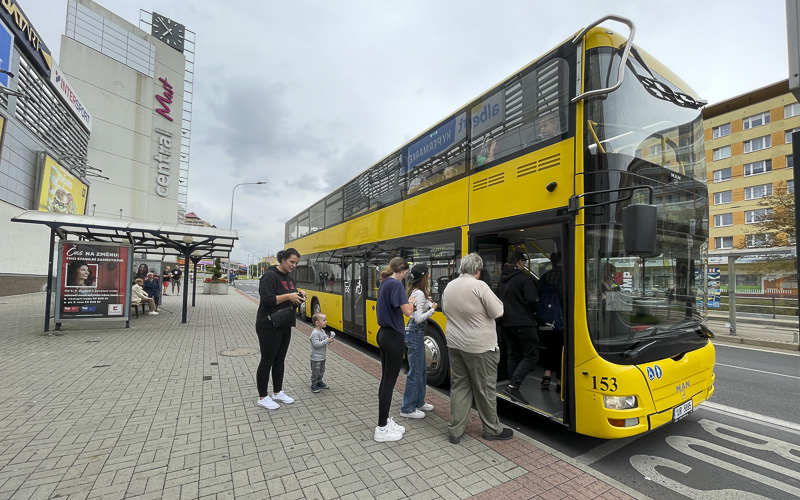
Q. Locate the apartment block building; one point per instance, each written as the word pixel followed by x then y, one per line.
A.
pixel 748 156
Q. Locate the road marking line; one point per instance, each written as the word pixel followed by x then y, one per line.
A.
pixel 759 371
pixel 755 417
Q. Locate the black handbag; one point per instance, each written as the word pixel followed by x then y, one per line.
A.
pixel 282 317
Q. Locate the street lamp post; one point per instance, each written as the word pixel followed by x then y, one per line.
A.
pixel 233 192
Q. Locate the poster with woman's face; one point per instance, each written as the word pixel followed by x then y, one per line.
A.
pixel 81 273
pixel 141 267
pixel 93 281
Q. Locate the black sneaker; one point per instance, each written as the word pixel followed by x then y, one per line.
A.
pixel 515 394
pixel 322 385
pixel 546 383
pixel 455 439
pixel 504 435
pixel 315 388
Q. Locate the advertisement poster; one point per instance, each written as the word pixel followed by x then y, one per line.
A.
pixel 141 267
pixel 60 191
pixel 93 281
pixel 713 287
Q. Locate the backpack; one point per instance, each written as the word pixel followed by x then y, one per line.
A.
pixel 548 310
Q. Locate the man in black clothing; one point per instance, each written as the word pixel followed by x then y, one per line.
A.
pixel 176 279
pixel 517 290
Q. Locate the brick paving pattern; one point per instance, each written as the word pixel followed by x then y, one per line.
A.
pixel 155 411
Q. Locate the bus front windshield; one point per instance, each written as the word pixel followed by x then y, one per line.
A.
pixel 646 133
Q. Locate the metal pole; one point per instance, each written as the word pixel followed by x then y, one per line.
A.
pixel 48 299
pixel 732 293
pixel 796 155
pixel 186 254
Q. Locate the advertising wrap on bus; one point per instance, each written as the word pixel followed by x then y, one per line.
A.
pixel 436 141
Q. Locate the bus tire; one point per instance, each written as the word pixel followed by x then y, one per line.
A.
pixel 301 310
pixel 315 307
pixel 437 357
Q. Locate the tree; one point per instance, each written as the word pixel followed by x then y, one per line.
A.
pixel 780 221
pixel 216 271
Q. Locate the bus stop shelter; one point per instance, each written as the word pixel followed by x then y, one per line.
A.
pixel 151 239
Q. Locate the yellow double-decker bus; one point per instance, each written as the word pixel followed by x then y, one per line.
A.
pixel 594 150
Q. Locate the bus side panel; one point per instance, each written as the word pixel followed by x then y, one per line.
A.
pixel 444 208
pixel 329 303
pixel 372 322
pixel 518 186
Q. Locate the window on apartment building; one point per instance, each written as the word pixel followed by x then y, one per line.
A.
pixel 722 175
pixel 723 242
pixel 788 138
pixel 755 216
pixel 755 192
pixel 755 120
pixel 723 220
pixel 790 186
pixel 655 150
pixel 723 197
pixel 791 110
pixel 759 240
pixel 721 131
pixel 757 144
pixel 789 161
pixel 758 167
pixel 722 153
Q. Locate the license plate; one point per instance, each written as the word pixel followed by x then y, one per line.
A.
pixel 681 411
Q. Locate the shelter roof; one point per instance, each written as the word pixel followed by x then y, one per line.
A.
pixel 150 238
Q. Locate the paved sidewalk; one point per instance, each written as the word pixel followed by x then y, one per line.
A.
pixel 165 410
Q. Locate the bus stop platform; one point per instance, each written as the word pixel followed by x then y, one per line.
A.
pixel 168 410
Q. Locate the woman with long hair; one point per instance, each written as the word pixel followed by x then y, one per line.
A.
pixel 414 405
pixel 142 271
pixel 392 305
pixel 80 274
pixel 277 291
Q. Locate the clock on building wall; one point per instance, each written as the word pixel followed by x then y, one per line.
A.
pixel 168 31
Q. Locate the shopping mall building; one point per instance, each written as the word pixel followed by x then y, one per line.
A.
pixel 102 130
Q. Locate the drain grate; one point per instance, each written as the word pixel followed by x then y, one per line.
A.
pixel 214 364
pixel 90 341
pixel 238 351
pixel 207 377
pixel 101 366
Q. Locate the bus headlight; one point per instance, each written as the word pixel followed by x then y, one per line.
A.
pixel 619 402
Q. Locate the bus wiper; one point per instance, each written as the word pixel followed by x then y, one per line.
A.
pixel 634 353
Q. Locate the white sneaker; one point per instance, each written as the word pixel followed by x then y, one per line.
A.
pixel 426 407
pixel 283 398
pixel 268 403
pixel 395 426
pixel 414 414
pixel 384 434
pixel 152 313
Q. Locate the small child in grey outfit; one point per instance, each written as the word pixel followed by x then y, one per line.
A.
pixel 319 346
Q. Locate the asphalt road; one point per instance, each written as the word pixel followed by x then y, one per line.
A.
pixel 744 443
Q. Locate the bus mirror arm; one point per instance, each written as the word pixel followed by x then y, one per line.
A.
pixel 575 204
pixel 623 61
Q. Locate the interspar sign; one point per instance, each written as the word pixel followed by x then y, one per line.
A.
pixel 74 103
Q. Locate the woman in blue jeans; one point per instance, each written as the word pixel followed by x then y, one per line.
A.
pixel 414 404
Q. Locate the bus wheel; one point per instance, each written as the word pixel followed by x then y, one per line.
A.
pixel 302 310
pixel 315 308
pixel 436 357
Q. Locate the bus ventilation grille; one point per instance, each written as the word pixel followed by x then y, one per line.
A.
pixel 492 180
pixel 539 165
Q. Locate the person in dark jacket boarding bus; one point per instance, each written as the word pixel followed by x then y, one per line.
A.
pixel 274 321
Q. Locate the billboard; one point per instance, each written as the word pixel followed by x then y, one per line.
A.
pixel 141 267
pixel 60 191
pixel 93 281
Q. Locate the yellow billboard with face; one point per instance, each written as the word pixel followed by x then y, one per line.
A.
pixel 61 192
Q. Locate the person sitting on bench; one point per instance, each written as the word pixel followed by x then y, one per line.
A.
pixel 139 296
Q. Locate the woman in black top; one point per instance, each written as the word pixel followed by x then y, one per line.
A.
pixel 276 290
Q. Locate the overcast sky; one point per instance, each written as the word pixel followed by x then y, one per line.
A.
pixel 307 94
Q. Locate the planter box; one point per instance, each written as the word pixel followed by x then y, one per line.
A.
pixel 215 289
